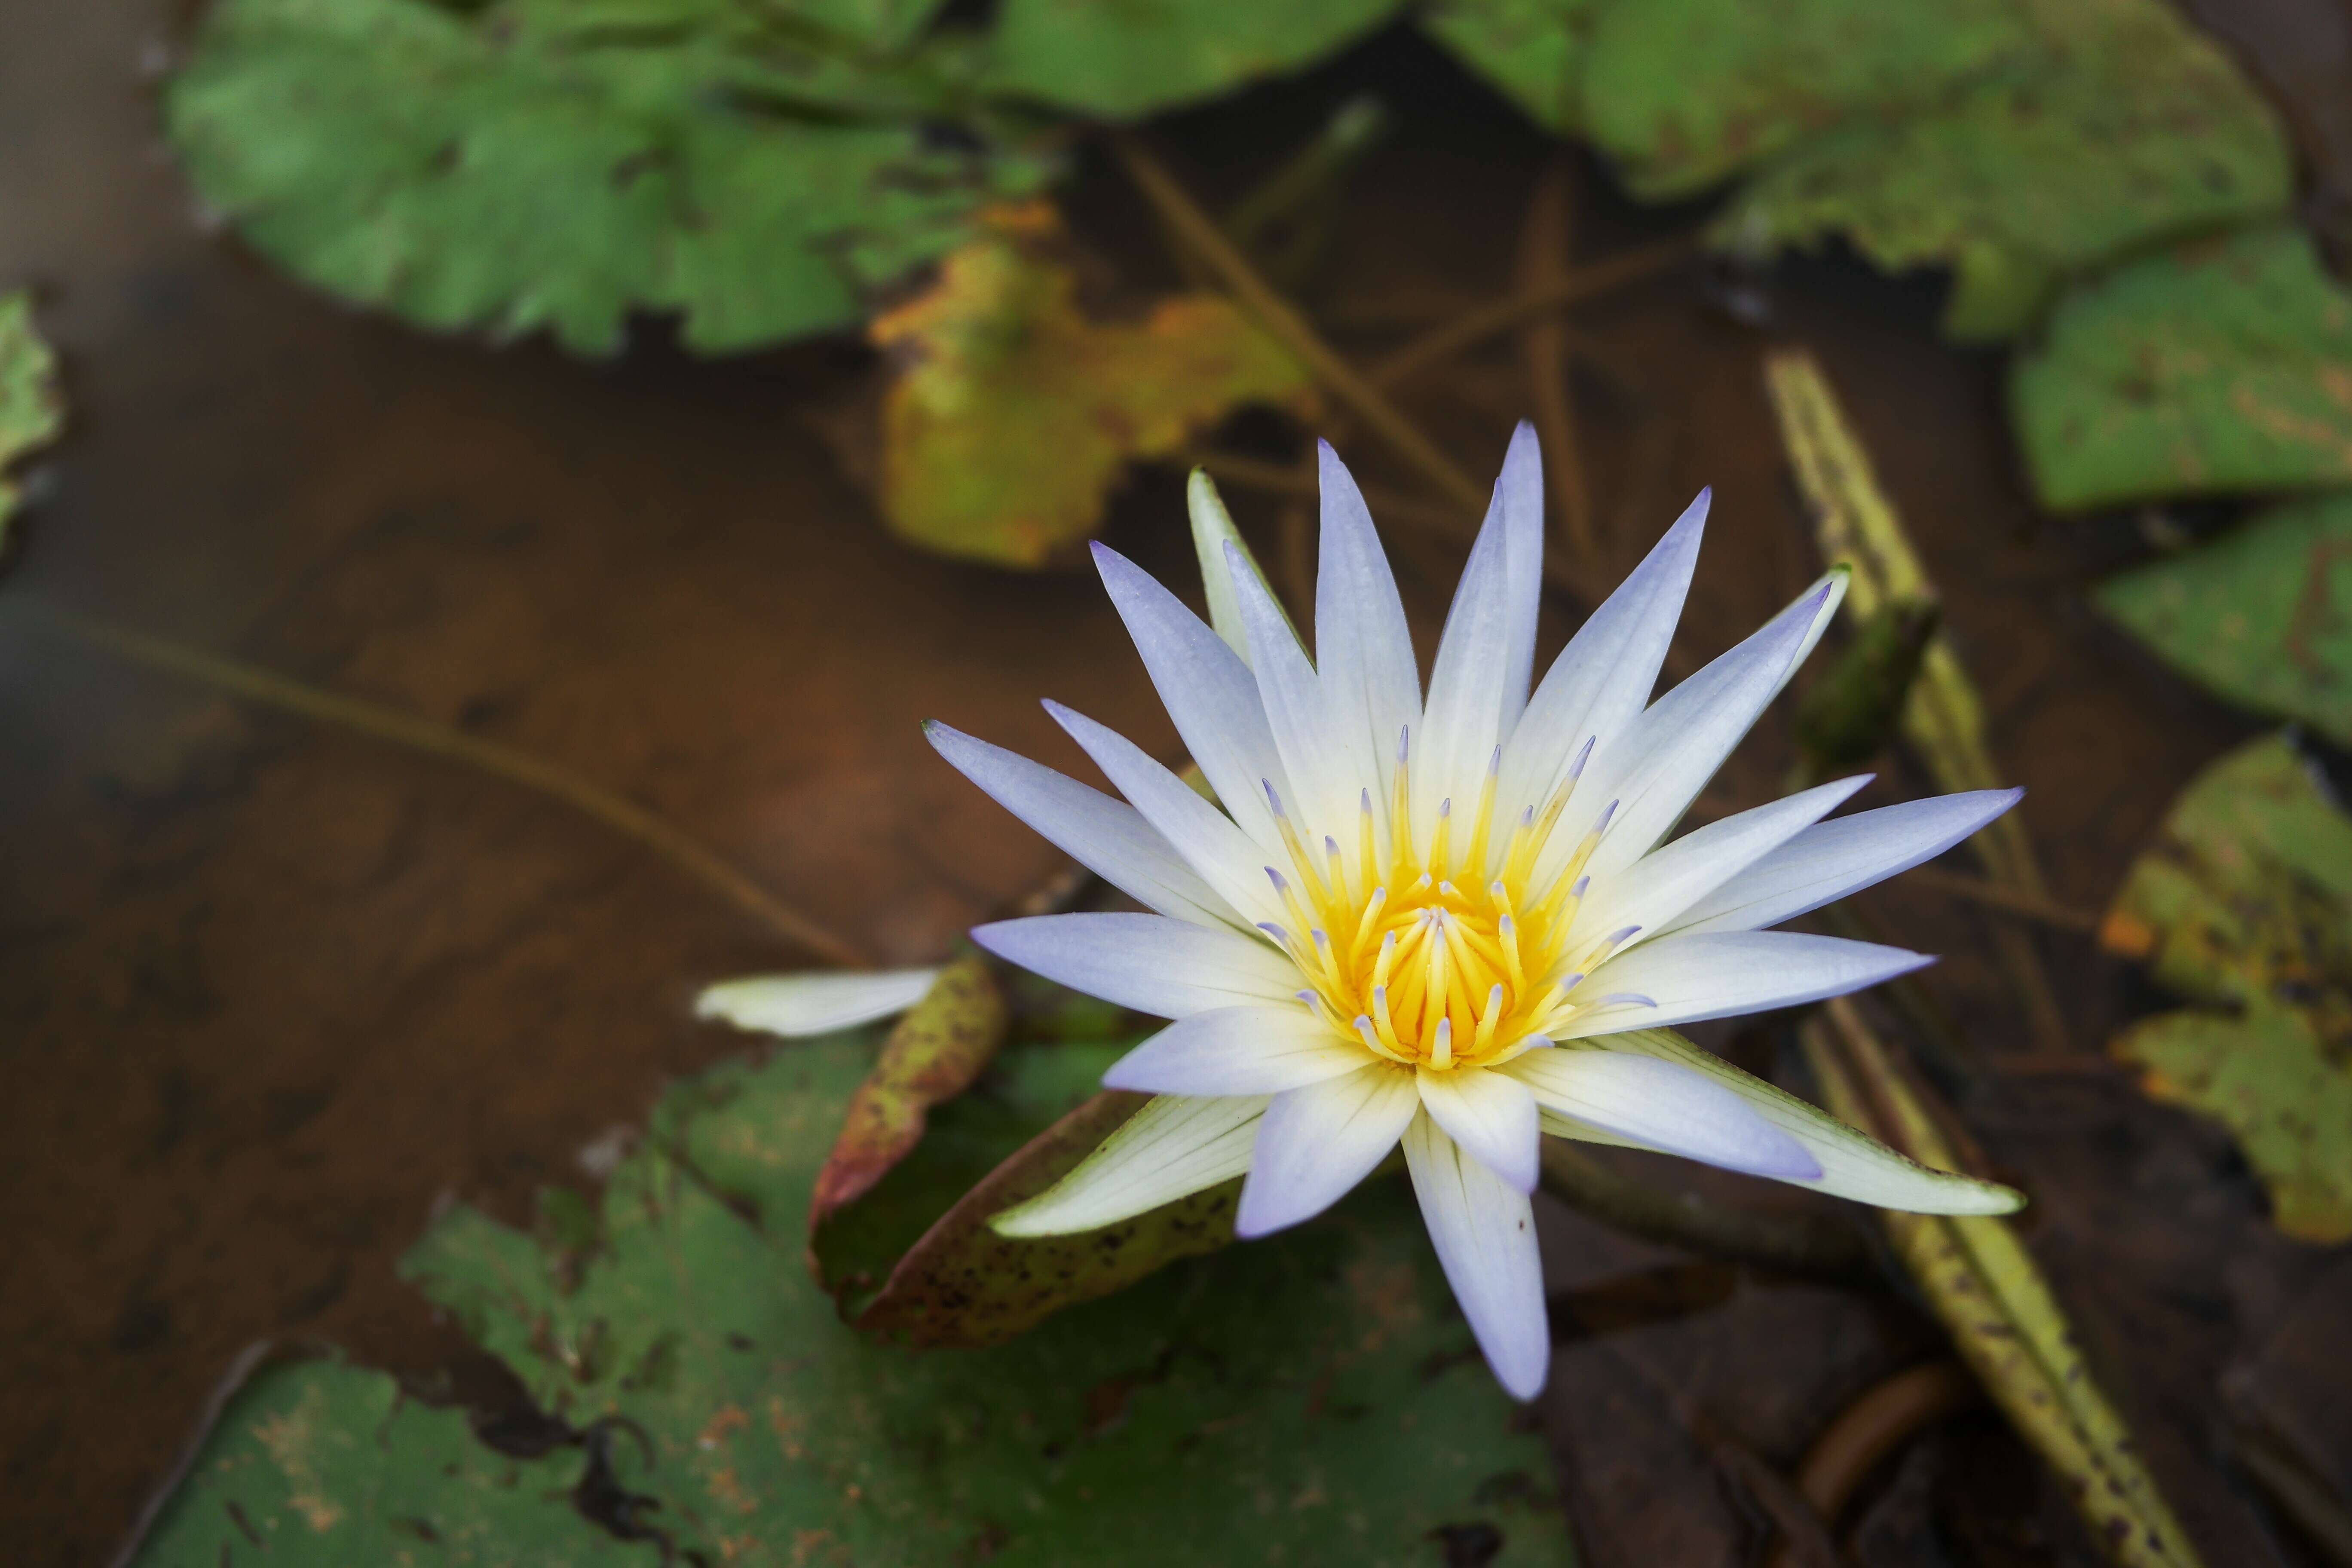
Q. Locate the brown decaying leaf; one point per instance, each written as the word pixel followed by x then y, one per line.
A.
pixel 938 1048
pixel 964 1285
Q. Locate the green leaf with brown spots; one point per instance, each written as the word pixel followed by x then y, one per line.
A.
pixel 2243 900
pixel 1014 412
pixel 32 411
pixel 1531 50
pixel 2216 367
pixel 2261 616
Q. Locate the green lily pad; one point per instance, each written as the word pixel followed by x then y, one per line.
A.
pixel 2243 900
pixel 2120 126
pixel 320 1465
pixel 2218 366
pixel 1126 58
pixel 1532 50
pixel 31 411
pixel 2259 615
pixel 1287 1401
pixel 529 164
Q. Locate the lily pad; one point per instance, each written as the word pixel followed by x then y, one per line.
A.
pixel 527 165
pixel 322 1465
pixel 1532 50
pixel 2244 900
pixel 2218 366
pixel 1126 58
pixel 2121 126
pixel 1014 412
pixel 31 410
pixel 1282 1401
pixel 2261 616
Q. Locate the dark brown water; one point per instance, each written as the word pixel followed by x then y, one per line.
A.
pixel 270 991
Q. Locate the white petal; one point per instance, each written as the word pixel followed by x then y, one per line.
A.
pixel 1825 863
pixel 1316 1142
pixel 1649 895
pixel 1687 977
pixel 1656 768
pixel 1237 1050
pixel 1209 693
pixel 1485 1233
pixel 1149 962
pixel 1109 838
pixel 1318 764
pixel 1363 650
pixel 1228 859
pixel 1462 722
pixel 1492 1117
pixel 817 1003
pixel 1853 1165
pixel 1605 674
pixel 1662 1105
pixel 1519 498
pixel 1170 1149
pixel 1212 530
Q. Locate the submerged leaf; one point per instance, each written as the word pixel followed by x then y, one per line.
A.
pixel 2114 125
pixel 2260 616
pixel 1014 412
pixel 31 411
pixel 1277 1402
pixel 530 164
pixel 2218 366
pixel 2244 900
pixel 1126 58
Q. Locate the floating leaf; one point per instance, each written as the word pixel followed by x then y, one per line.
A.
pixel 2244 899
pixel 530 164
pixel 1125 59
pixel 2259 615
pixel 1531 50
pixel 2222 365
pixel 2124 126
pixel 320 1465
pixel 31 411
pixel 1280 1401
pixel 1014 412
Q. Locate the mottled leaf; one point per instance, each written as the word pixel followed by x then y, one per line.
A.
pixel 1310 1398
pixel 2218 366
pixel 329 1465
pixel 2244 900
pixel 32 412
pixel 1125 59
pixel 1012 412
pixel 1532 50
pixel 531 165
pixel 2121 126
pixel 2259 615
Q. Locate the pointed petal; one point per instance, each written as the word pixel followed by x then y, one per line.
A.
pixel 1853 1165
pixel 1325 798
pixel 1825 863
pixel 1665 758
pixel 1225 856
pixel 1492 1117
pixel 1605 674
pixel 1106 837
pixel 1652 892
pixel 1485 1233
pixel 1212 531
pixel 1662 1105
pixel 1208 690
pixel 1316 1142
pixel 1462 722
pixel 1519 498
pixel 1363 649
pixel 817 1002
pixel 1170 1149
pixel 1685 977
pixel 1237 1050
pixel 1149 962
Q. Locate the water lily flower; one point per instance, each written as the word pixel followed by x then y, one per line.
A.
pixel 1449 917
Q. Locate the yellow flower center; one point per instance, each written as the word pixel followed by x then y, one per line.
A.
pixel 1444 954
